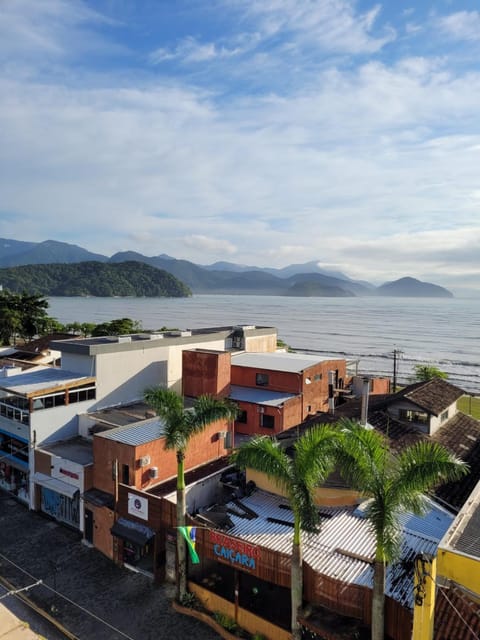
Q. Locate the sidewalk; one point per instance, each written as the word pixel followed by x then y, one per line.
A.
pixel 94 599
pixel 11 628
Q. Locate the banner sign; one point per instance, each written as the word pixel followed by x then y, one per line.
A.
pixel 233 551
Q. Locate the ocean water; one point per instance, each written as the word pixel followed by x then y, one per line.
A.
pixel 443 332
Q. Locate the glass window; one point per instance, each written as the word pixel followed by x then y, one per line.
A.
pixel 261 379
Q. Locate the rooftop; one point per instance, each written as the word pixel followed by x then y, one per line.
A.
pixel 259 396
pixel 137 433
pixel 277 361
pixel 112 344
pixel 42 379
pixel 433 396
pixel 344 548
pixel 79 450
pixel 464 535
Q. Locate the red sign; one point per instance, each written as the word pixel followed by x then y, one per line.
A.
pixel 236 545
pixel 68 473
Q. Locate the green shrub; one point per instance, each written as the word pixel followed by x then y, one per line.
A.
pixel 225 621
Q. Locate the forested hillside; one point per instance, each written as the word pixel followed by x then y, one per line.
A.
pixel 93 279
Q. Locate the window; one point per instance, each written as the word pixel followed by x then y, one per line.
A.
pixel 444 416
pixel 413 416
pixel 125 474
pixel 242 417
pixel 317 377
pixel 80 394
pixel 261 379
pixel 266 421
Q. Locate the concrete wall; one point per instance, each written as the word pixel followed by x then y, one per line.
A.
pixel 57 423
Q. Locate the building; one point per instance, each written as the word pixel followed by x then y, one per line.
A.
pixel 41 405
pixel 273 390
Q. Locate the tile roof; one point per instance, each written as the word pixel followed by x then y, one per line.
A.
pixel 457 616
pixel 433 395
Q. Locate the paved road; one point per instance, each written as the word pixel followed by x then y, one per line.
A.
pixel 95 599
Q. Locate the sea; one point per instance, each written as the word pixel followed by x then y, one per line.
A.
pixel 367 331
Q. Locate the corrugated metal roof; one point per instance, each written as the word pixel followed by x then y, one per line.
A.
pixel 277 361
pixel 259 396
pixel 345 545
pixel 136 434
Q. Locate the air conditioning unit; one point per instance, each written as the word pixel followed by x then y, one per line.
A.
pixel 261 409
pixel 144 461
pixel 153 472
pixel 222 434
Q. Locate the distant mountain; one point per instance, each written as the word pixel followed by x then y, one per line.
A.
pixel 410 287
pixel 307 279
pixel 48 252
pixel 93 279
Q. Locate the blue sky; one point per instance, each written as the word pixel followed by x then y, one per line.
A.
pixel 263 132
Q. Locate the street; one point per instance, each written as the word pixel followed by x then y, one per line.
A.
pixel 82 589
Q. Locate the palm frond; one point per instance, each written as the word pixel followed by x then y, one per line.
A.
pixel 363 456
pixel 315 455
pixel 263 454
pixel 207 409
pixel 422 467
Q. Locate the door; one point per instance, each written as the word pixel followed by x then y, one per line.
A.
pixel 88 526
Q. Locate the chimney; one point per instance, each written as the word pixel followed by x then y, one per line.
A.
pixel 365 390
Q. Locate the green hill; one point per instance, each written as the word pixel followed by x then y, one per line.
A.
pixel 93 279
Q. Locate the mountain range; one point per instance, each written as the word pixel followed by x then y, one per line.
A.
pixel 307 279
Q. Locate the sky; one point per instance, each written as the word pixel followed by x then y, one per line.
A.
pixel 260 132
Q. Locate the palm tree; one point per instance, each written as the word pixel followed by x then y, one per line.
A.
pixel 312 462
pixel 393 485
pixel 180 425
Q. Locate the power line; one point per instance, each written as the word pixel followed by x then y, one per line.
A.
pixel 75 604
pixel 13 592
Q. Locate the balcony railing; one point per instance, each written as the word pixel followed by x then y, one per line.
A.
pixel 12 412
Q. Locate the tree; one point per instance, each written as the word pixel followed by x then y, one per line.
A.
pixel 23 314
pixel 393 485
pixel 425 372
pixel 181 425
pixel 312 461
pixel 117 327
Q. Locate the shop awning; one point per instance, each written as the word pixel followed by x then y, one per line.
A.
pixel 134 532
pixel 54 484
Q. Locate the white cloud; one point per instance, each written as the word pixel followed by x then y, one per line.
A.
pixel 212 245
pixel 355 167
pixel 463 25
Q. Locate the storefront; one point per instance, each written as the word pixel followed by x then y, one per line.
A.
pixel 135 544
pixel 58 499
pixel 238 572
pixel 14 466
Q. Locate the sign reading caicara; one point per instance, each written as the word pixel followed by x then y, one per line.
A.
pixel 234 551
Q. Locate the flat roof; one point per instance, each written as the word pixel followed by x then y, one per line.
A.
pixel 78 449
pixel 41 380
pixel 155 339
pixel 278 361
pixel 259 396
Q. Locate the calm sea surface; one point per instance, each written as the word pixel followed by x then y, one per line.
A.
pixel 444 332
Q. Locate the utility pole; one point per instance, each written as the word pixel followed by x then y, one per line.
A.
pixel 396 354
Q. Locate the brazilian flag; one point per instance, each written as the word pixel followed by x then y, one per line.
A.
pixel 190 533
